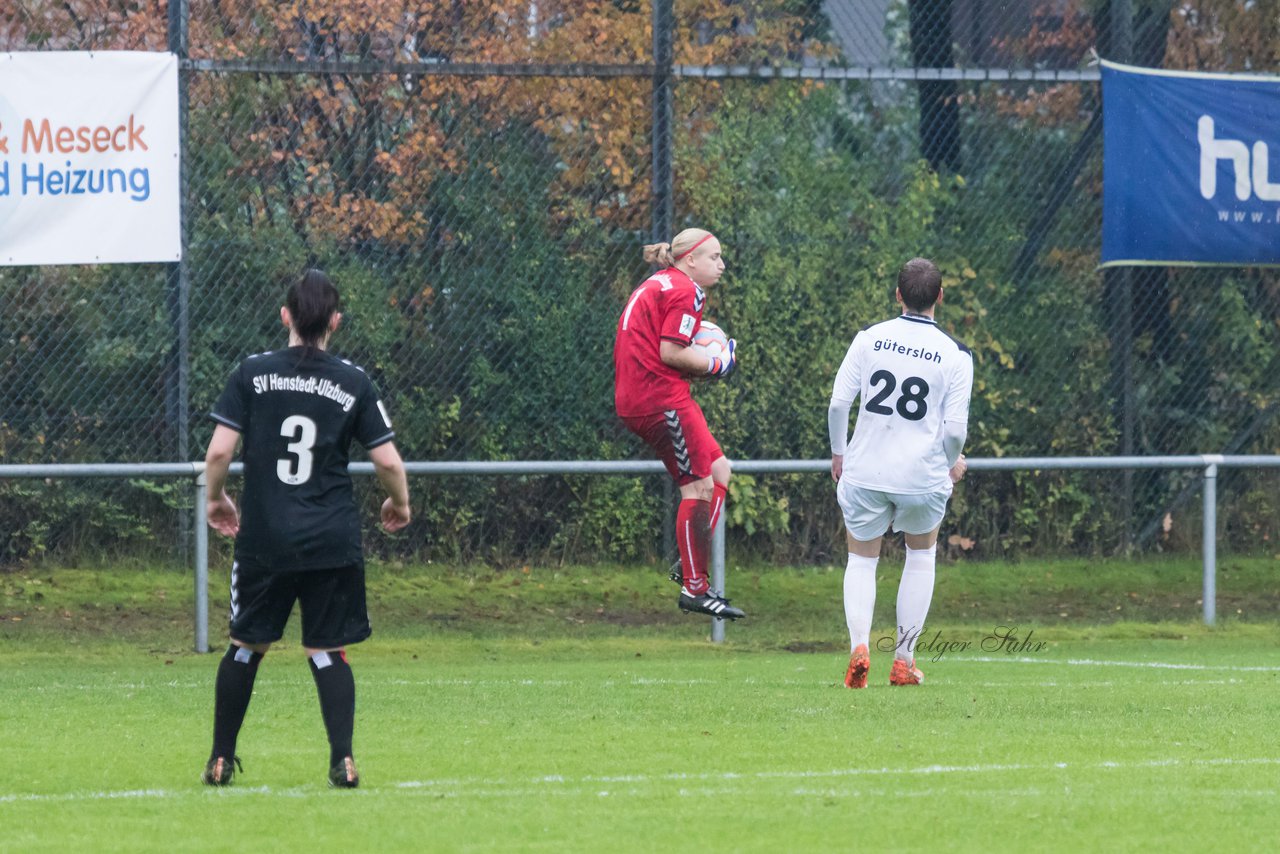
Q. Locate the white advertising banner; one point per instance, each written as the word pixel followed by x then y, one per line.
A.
pixel 89 170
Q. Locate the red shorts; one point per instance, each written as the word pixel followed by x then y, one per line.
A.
pixel 681 439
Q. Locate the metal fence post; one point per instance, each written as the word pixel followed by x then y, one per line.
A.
pixel 662 213
pixel 717 575
pixel 202 562
pixel 1210 537
pixel 178 288
pixel 663 204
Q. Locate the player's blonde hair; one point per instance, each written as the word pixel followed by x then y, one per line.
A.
pixel 667 254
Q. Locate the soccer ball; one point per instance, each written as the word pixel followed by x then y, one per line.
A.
pixel 710 339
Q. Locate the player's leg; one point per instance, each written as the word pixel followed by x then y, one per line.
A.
pixel 698 459
pixel 680 439
pixel 654 431
pixel 693 538
pixel 693 533
pixel 721 472
pixel 233 688
pixel 915 590
pixel 667 433
pixel 867 516
pixel 259 609
pixel 336 689
pixel 334 615
pixel 688 453
pixel 919 518
pixel 706 465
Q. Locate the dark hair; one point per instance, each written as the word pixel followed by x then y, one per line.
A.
pixel 311 302
pixel 919 282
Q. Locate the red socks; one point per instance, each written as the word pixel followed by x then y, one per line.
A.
pixel 717 504
pixel 695 523
pixel 693 538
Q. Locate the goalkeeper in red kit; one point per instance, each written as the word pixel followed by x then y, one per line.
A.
pixel 653 363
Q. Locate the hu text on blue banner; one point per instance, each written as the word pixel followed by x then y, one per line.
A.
pixel 1188 175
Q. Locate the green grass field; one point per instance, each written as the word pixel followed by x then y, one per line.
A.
pixel 576 710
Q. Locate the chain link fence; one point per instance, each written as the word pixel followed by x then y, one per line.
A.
pixel 479 179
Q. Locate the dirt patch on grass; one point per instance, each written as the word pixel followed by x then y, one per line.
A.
pixel 811 646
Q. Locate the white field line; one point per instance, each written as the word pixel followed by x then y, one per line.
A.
pixel 608 683
pixel 639 681
pixel 1104 684
pixel 939 677
pixel 1090 662
pixel 603 786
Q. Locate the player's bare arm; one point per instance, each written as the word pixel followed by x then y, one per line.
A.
pixel 687 360
pixel 683 358
pixel 221 510
pixel 389 468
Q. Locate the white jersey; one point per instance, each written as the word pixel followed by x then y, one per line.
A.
pixel 912 378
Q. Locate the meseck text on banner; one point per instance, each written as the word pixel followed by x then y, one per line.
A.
pixel 89 158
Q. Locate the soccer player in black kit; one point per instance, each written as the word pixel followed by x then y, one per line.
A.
pixel 298 410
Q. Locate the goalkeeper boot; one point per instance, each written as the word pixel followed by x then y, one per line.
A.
pixel 905 673
pixel 676 574
pixel 859 664
pixel 711 603
pixel 219 770
pixel 344 774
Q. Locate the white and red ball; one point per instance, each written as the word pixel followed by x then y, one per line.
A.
pixel 710 340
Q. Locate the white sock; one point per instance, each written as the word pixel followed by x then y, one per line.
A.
pixel 915 592
pixel 859 598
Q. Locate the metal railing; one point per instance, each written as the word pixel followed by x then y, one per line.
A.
pixel 1208 463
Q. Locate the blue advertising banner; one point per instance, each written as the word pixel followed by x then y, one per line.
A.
pixel 1187 169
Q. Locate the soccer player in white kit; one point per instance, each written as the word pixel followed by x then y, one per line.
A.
pixel 914 381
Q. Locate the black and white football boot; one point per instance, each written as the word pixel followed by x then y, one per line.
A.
pixel 709 603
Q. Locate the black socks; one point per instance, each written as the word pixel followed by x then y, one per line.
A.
pixel 335 685
pixel 337 689
pixel 232 691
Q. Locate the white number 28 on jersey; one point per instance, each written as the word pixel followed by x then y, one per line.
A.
pixel 302 430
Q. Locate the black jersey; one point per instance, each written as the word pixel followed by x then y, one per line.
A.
pixel 297 416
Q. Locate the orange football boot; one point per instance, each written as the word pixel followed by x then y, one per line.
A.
pixel 859 664
pixel 905 673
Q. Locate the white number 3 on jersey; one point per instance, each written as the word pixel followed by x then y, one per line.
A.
pixel 302 430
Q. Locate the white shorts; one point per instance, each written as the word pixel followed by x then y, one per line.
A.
pixel 869 512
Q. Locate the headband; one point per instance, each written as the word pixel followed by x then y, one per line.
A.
pixel 694 246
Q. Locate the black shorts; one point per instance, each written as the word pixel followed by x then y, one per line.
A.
pixel 332 601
